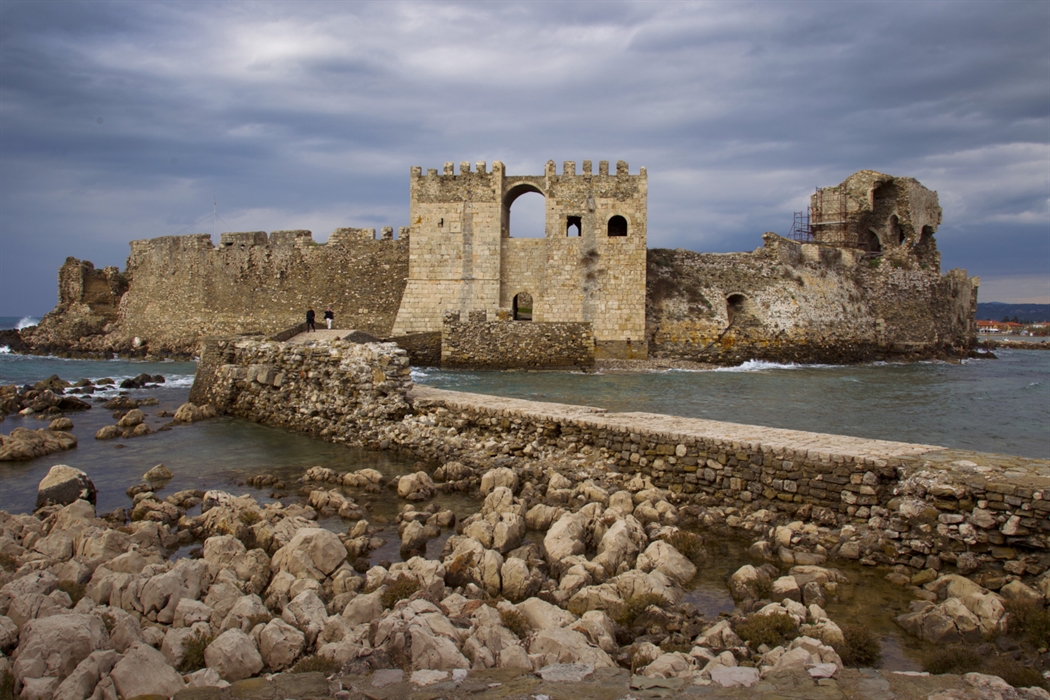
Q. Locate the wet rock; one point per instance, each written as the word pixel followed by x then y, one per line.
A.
pixel 159 473
pixel 23 444
pixel 60 424
pixel 108 432
pixel 748 583
pixel 131 419
pixel 188 413
pixel 63 485
pixel 415 487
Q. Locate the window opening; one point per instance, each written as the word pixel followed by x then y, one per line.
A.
pixel 736 306
pixel 528 216
pixel 617 226
pixel 573 225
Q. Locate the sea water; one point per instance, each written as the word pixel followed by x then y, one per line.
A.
pixel 989 405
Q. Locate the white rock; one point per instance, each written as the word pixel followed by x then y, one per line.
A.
pixel 233 656
pixel 307 612
pixel 53 646
pixel 144 671
pixel 734 676
pixel 312 553
pixel 280 644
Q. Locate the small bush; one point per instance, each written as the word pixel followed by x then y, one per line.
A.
pixel 954 658
pixel 515 622
pixel 249 517
pixel 764 587
pixel 772 630
pixel 74 590
pixel 1014 672
pixel 109 621
pixel 689 544
pixel 311 664
pixel 8 562
pixel 7 686
pixel 193 652
pixel 861 649
pixel 633 607
pixel 400 589
pixel 1029 620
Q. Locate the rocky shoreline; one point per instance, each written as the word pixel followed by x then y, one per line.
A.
pixel 595 604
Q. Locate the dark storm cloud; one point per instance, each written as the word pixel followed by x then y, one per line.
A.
pixel 123 120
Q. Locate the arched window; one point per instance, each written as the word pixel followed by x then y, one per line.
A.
pixel 617 226
pixel 522 306
pixel 573 225
pixel 869 242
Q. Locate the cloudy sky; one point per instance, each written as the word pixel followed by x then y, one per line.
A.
pixel 126 120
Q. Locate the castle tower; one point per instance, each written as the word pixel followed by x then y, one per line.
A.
pixel 589 267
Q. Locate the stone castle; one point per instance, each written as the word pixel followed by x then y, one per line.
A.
pixel 858 279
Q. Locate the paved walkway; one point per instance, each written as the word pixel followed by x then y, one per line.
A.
pixel 321 334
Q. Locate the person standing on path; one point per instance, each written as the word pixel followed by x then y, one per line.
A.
pixel 329 317
pixel 310 316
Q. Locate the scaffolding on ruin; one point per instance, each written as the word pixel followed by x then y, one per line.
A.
pixel 801 230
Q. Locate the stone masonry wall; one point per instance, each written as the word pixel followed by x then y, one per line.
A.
pixel 506 344
pixel 791 302
pixel 184 289
pixel 897 501
pixel 327 389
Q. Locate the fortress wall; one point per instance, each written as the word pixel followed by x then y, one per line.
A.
pixel 477 343
pixel 803 303
pixel 904 502
pixel 184 288
pixel 523 267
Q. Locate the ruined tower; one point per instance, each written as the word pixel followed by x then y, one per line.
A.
pixel 879 214
pixel 589 267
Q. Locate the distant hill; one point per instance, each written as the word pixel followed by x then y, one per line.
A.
pixel 1025 313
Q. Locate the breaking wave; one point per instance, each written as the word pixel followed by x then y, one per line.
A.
pixel 762 366
pixel 26 322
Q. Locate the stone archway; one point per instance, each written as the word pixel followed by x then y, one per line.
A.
pixel 510 197
pixel 521 306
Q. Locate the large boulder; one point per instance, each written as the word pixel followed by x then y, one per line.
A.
pixel 53 646
pixel 188 413
pixel 63 485
pixel 565 538
pixel 24 444
pixel 145 671
pixel 561 645
pixel 664 558
pixel 415 487
pixel 280 644
pixel 312 553
pixel 233 656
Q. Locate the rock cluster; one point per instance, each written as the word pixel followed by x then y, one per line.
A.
pixel 603 588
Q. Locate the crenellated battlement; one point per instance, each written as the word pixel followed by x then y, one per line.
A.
pixel 550 169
